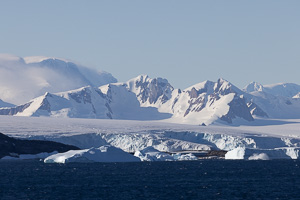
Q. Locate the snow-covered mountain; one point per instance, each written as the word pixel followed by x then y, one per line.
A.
pixel 144 98
pixel 253 86
pixel 278 107
pixel 280 89
pixel 22 79
pixel 202 103
pixel 115 102
pixel 275 101
pixel 212 101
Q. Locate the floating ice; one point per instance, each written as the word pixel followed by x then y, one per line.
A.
pixel 240 153
pixel 152 154
pixel 105 153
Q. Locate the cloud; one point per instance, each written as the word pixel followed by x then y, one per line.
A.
pixel 21 82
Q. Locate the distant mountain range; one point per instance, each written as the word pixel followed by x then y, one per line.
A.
pixel 144 98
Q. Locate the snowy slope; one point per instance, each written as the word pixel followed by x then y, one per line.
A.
pixel 278 107
pixel 85 102
pixel 115 102
pixel 22 79
pixel 125 105
pixel 209 101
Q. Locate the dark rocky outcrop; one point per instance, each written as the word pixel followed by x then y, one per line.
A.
pixel 13 147
pixel 82 96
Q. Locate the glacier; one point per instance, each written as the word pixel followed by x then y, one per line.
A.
pixel 132 136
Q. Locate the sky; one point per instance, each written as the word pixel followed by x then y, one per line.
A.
pixel 186 42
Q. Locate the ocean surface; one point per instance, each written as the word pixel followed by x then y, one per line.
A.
pixel 205 179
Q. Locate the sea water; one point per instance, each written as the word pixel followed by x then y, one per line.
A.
pixel 204 179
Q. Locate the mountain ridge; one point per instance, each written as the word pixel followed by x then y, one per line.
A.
pixel 62 88
pixel 145 98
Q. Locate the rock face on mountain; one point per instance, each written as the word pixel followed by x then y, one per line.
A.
pixel 14 147
pixel 150 91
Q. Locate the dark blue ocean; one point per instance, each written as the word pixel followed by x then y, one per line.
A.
pixel 207 179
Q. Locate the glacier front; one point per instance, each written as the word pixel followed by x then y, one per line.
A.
pixel 132 136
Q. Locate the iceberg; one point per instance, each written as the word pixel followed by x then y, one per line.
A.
pixel 106 153
pixel 241 153
pixel 152 154
pixel 183 157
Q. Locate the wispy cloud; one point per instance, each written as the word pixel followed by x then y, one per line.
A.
pixel 20 82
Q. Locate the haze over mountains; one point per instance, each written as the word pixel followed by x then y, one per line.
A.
pixel 22 79
pixel 54 87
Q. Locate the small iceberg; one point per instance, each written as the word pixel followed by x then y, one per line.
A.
pixel 152 154
pixel 242 153
pixel 105 153
pixel 183 157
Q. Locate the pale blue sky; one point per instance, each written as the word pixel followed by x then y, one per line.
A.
pixel 184 41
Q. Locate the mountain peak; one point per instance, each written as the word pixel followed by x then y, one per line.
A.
pixel 148 90
pixel 143 77
pixel 222 80
pixel 253 86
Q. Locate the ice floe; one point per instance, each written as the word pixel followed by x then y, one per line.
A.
pixel 240 153
pixel 104 153
pixel 152 154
